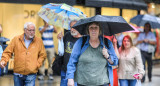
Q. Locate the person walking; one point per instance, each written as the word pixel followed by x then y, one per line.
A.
pixel 29 54
pixel 130 63
pixel 47 37
pixel 91 64
pixel 69 40
pixel 116 46
pixel 146 43
pixel 119 38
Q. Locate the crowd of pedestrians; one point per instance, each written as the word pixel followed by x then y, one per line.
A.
pixel 88 60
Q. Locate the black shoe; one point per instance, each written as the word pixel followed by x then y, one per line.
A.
pixel 142 81
pixel 150 80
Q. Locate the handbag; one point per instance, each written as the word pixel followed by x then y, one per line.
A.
pixel 138 83
pixel 57 65
pixel 60 47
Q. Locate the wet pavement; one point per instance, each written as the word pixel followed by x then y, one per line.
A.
pixel 7 80
pixel 155 77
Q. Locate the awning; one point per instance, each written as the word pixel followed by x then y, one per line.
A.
pixel 69 2
pixel 98 3
pixel 140 4
pixel 124 4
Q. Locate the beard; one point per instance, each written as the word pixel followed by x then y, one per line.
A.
pixel 31 37
pixel 74 33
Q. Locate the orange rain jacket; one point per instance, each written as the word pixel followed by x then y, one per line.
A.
pixel 26 61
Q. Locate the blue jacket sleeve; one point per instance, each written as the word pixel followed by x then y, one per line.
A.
pixel 112 54
pixel 1 51
pixel 71 66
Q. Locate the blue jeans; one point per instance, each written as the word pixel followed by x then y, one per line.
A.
pixel 127 82
pixel 99 85
pixel 25 80
pixel 64 81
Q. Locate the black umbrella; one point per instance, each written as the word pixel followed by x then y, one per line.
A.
pixel 110 25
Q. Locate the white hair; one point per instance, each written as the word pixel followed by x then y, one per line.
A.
pixel 72 21
pixel 28 23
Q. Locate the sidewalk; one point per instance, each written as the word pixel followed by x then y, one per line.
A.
pixel 7 80
pixel 155 77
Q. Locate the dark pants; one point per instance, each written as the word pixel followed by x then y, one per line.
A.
pixel 147 57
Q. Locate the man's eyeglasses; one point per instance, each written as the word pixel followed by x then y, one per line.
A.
pixel 31 30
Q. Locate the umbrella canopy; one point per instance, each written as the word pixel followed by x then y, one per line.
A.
pixel 110 25
pixel 140 20
pixel 135 29
pixel 60 14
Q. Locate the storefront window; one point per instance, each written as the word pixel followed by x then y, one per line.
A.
pixel 110 11
pixel 88 11
pixel 127 14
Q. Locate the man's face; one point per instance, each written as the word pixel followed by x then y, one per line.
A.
pixel 73 31
pixel 30 31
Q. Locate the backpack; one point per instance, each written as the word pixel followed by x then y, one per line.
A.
pixel 57 65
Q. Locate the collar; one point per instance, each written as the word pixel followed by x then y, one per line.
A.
pixel 25 38
pixel 100 39
pixel 22 37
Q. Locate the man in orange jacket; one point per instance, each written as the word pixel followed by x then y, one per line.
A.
pixel 29 54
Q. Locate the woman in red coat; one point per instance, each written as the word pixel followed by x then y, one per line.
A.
pixel 114 41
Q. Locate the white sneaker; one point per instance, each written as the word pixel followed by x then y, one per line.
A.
pixel 50 77
pixel 41 77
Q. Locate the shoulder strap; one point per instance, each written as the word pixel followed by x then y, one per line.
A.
pixel 84 38
pixel 106 42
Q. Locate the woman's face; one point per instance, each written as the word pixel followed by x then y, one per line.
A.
pixel 146 27
pixel 94 30
pixel 126 43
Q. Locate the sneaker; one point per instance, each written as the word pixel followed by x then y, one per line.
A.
pixel 50 77
pixel 41 77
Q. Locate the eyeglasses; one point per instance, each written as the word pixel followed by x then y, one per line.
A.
pixel 31 30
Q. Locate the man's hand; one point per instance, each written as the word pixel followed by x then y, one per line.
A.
pixel 60 35
pixel 70 82
pixel 2 64
pixel 146 40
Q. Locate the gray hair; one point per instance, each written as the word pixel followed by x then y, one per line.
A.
pixel 28 23
pixel 72 21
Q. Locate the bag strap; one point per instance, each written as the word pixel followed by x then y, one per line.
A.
pixel 84 38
